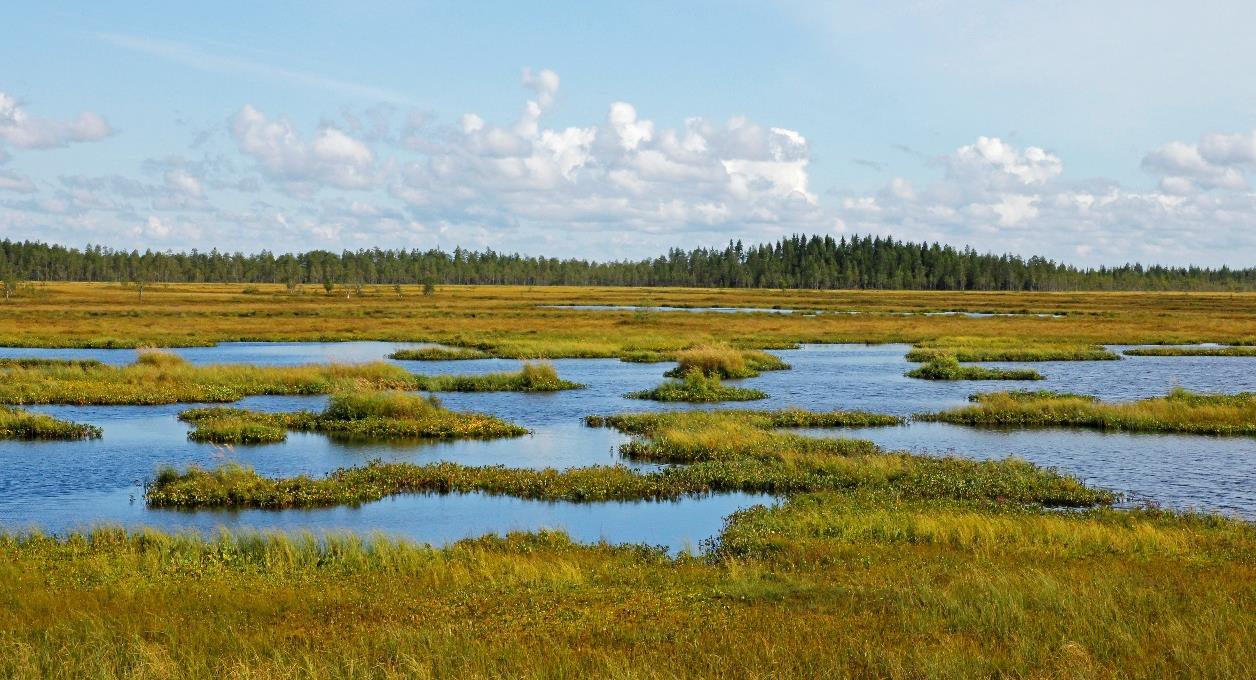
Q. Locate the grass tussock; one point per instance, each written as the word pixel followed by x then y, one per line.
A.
pixel 163 378
pixel 439 354
pixel 722 361
pixel 1238 351
pixel 826 585
pixel 372 415
pixel 1008 348
pixel 21 424
pixel 697 387
pixel 1180 411
pixel 947 367
pixel 532 377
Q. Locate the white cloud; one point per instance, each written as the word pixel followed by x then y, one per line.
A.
pixel 995 196
pixel 333 158
pixel 12 181
pixel 1218 161
pixel 20 129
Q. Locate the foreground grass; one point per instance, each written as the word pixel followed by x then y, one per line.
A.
pixel 1179 411
pixel 375 415
pixel 947 367
pixel 698 387
pixel 20 424
pixel 1244 351
pixel 159 378
pixel 827 585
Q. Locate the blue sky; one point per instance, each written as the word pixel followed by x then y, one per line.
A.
pixel 1089 132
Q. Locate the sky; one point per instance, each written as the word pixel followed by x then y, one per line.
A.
pixel 1088 132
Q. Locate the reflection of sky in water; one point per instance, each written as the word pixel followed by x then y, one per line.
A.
pixel 61 485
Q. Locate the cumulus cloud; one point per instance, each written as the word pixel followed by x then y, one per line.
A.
pixel 996 196
pixel 624 171
pixel 332 157
pixel 21 130
pixel 1217 161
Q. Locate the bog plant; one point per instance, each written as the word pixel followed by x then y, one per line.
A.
pixel 21 424
pixel 373 415
pixel 697 387
pixel 947 367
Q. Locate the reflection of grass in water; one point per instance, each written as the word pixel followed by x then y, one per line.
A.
pixel 1180 411
pixel 361 416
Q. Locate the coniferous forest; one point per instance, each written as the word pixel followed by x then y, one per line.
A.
pixel 799 261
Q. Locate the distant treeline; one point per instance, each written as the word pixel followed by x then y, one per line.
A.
pixel 794 262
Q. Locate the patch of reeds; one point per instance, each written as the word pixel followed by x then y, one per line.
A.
pixel 1008 348
pixel 1234 351
pixel 163 378
pixel 723 361
pixel 439 354
pixel 697 387
pixel 371 415
pixel 22 424
pixel 908 476
pixel 947 367
pixel 40 362
pixel 1179 411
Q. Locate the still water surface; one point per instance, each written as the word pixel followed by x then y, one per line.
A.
pixel 59 486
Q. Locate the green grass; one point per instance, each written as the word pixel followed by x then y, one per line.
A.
pixel 374 415
pixel 722 361
pixel 1240 351
pixel 905 475
pixel 697 387
pixel 38 362
pixel 827 585
pixel 695 436
pixel 21 424
pixel 947 367
pixel 439 354
pixel 160 378
pixel 538 377
pixel 970 349
pixel 1179 411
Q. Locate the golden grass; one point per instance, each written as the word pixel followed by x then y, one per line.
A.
pixel 510 321
pixel 1180 411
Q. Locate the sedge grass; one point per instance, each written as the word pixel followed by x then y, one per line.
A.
pixel 947 367
pixel 439 354
pixel 374 415
pixel 21 424
pixel 162 378
pixel 722 361
pixel 1180 411
pixel 1009 348
pixel 697 387
pixel 821 593
pixel 1239 351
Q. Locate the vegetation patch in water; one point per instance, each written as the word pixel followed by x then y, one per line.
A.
pixel 1179 411
pixel 947 367
pixel 439 354
pixel 373 415
pixel 40 362
pixel 22 424
pixel 162 378
pixel 723 361
pixel 971 349
pixel 697 387
pixel 1234 351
